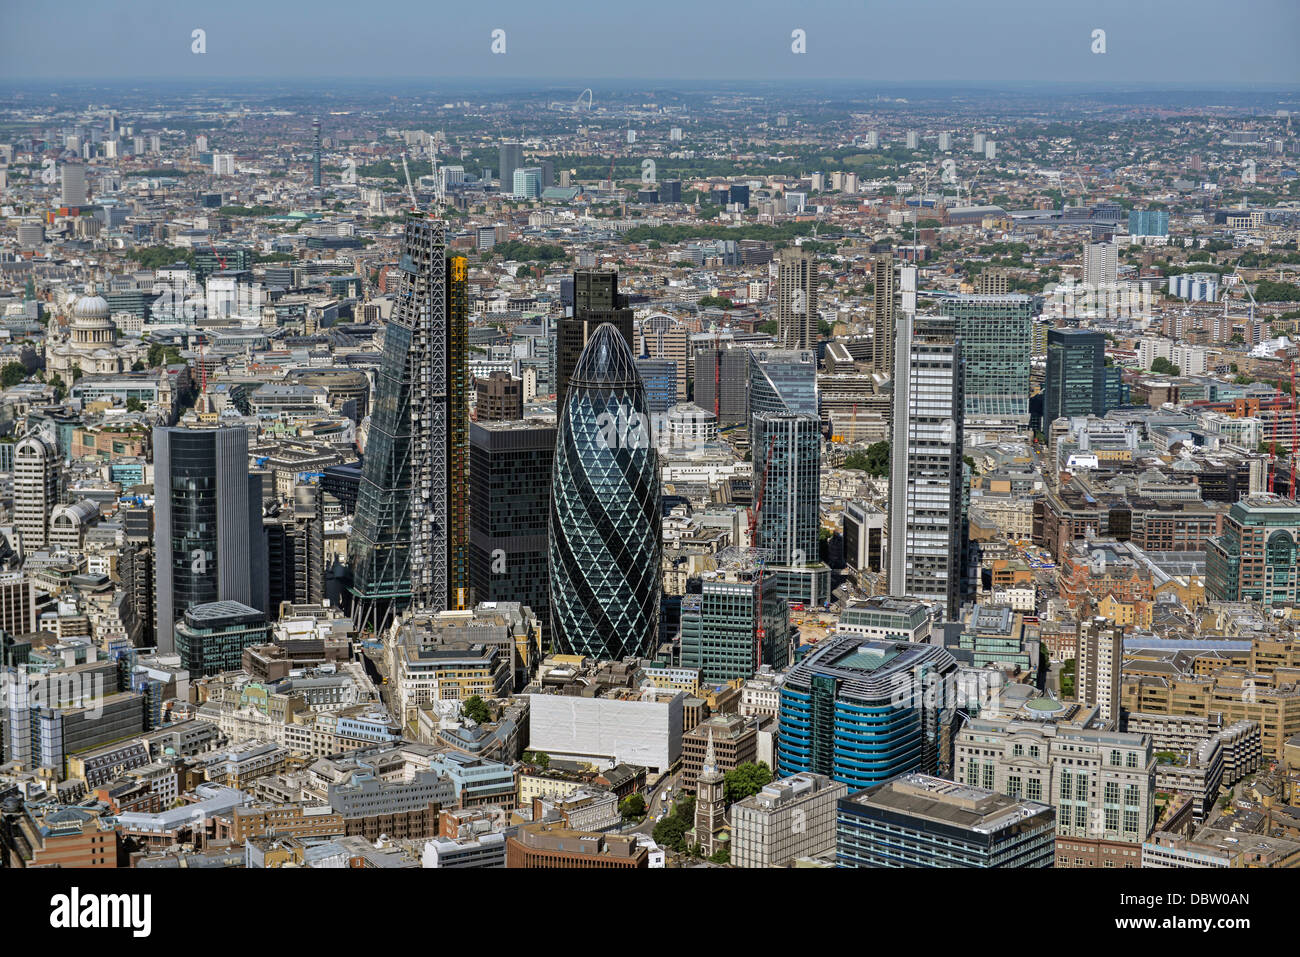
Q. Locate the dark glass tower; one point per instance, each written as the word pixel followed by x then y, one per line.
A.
pixel 510 498
pixel 596 300
pixel 410 537
pixel 605 509
pixel 208 539
pixel 1078 380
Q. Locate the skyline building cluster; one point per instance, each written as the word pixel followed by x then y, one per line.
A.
pixel 653 480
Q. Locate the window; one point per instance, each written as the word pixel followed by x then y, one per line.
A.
pixel 1131 759
pixel 1033 751
pixel 1034 789
pixel 1017 750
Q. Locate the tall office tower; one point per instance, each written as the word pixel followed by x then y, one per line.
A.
pixel 926 535
pixel 670 191
pixel 510 465
pixel 209 544
pixel 782 380
pixel 977 143
pixel 1100 264
pixel 882 313
pixel 1078 380
pixel 410 538
pixel 315 152
pixel 865 710
pixel 36 488
pixel 720 627
pixel 510 157
pixel 787 457
pixel 996 335
pixel 659 377
pixel 945 142
pixel 296 550
pixel 796 299
pixel 1101 658
pixel 500 398
pixel 596 300
pixel 527 182
pixel 73 191
pixel 722 384
pixel 993 282
pixel 662 337
pixel 605 515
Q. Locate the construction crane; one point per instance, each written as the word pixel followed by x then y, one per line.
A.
pixel 760 632
pixel 410 190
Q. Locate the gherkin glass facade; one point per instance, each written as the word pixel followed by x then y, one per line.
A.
pixel 605 516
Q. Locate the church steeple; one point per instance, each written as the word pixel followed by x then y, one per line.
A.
pixel 710 765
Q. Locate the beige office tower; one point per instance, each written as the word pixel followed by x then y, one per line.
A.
pixel 1101 654
pixel 882 314
pixel 796 299
pixel 993 282
pixel 36 488
pixel 661 337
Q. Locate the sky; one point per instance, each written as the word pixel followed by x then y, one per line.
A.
pixel 1208 44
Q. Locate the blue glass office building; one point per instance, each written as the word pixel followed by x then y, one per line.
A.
pixel 864 711
pixel 605 516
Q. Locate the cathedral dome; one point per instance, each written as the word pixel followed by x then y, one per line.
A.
pixel 90 307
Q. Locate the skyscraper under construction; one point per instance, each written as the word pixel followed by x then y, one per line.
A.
pixel 410 537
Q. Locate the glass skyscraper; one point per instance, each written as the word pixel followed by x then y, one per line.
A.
pixel 864 710
pixel 1078 380
pixel 927 534
pixel 410 540
pixel 787 458
pixel 605 516
pixel 996 334
pixel 209 543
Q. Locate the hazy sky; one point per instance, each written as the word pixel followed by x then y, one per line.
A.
pixel 1208 43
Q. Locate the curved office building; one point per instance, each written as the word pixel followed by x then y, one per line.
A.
pixel 605 516
pixel 864 710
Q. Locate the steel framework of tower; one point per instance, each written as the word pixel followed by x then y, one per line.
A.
pixel 410 537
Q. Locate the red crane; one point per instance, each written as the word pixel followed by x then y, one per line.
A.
pixel 1295 446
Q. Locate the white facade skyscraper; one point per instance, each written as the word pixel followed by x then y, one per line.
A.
pixel 926 531
pixel 1100 264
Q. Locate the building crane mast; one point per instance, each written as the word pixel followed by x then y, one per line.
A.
pixel 410 190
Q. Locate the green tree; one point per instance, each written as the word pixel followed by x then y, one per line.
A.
pixel 874 461
pixel 746 779
pixel 12 373
pixel 476 709
pixel 671 831
pixel 539 758
pixel 134 405
pixel 1163 366
pixel 722 855
pixel 60 390
pixel 632 807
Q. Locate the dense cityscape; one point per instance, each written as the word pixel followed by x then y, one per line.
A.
pixel 425 476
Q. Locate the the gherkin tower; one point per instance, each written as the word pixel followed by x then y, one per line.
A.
pixel 605 517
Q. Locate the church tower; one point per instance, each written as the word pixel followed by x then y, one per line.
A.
pixel 710 803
